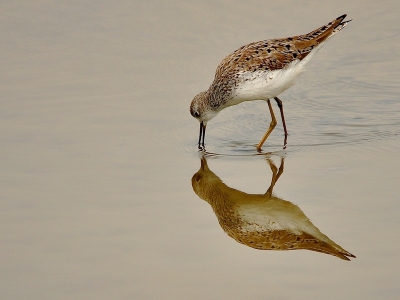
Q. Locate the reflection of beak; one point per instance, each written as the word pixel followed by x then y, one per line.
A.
pixel 202 135
pixel 204 165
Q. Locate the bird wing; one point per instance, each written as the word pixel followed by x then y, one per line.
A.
pixel 275 54
pixel 286 240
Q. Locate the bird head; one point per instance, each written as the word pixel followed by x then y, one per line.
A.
pixel 200 108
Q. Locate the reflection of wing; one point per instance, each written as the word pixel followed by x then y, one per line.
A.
pixel 284 240
pixel 262 222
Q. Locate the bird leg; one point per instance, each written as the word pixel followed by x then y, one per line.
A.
pixel 279 102
pixel 275 174
pixel 271 127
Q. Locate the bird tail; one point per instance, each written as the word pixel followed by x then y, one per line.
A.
pixel 326 31
pixel 341 25
pixel 326 246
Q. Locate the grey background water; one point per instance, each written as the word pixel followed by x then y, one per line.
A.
pixel 98 149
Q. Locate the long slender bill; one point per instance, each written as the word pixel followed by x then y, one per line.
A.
pixel 202 135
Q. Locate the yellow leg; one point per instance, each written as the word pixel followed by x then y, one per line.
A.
pixel 271 127
pixel 275 175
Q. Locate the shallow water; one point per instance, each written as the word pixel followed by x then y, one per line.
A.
pixel 98 151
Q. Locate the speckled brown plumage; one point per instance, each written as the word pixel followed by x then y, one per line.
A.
pixel 262 221
pixel 267 55
pixel 260 71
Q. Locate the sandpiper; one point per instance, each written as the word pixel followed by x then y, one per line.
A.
pixel 260 71
pixel 262 221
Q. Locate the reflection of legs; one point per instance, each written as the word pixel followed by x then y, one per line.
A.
pixel 280 169
pixel 275 174
pixel 279 102
pixel 271 126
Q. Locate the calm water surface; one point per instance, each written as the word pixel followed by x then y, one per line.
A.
pixel 101 195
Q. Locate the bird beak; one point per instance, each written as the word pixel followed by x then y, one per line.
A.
pixel 202 135
pixel 203 163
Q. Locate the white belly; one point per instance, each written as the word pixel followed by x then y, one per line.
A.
pixel 263 85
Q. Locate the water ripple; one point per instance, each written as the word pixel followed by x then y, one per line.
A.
pixel 344 113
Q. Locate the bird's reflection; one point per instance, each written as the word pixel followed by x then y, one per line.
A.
pixel 262 221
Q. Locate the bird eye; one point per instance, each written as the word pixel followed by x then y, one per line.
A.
pixel 196 114
pixel 197 177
